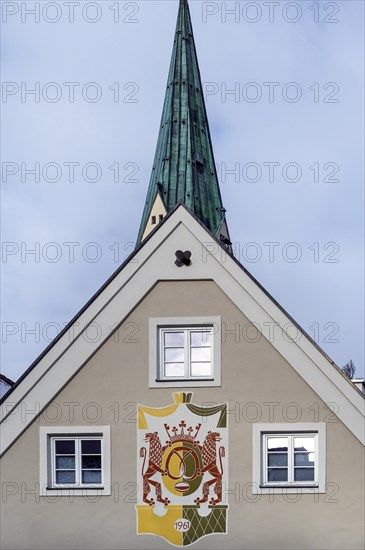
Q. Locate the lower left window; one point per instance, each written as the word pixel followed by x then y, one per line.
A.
pixel 75 459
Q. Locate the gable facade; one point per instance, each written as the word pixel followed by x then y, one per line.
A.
pixel 182 405
pixel 95 384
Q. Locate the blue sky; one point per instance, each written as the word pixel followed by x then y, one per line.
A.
pixel 292 132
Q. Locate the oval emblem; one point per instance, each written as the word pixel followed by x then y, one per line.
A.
pixel 182 525
pixel 182 464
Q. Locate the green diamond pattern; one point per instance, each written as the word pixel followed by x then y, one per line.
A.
pixel 215 522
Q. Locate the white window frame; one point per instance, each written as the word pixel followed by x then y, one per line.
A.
pixel 187 353
pixel 157 325
pixel 290 465
pixel 259 458
pixel 78 460
pixel 48 436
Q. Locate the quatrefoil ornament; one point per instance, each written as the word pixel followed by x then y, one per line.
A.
pixel 183 258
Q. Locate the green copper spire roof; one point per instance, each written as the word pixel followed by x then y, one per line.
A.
pixel 184 168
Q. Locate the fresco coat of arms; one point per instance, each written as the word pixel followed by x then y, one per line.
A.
pixel 182 456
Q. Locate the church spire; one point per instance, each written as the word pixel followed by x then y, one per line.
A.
pixel 184 168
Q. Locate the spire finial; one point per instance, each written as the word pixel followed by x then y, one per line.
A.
pixel 184 167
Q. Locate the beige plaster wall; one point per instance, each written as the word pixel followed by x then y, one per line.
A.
pixel 117 378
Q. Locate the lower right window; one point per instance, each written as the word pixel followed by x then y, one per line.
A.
pixel 289 459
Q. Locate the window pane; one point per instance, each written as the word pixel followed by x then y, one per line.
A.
pixel 303 459
pixel 175 369
pixel 303 474
pixel 174 355
pixel 91 476
pixel 203 338
pixel 277 459
pixel 201 369
pixel 65 462
pixel 91 462
pixel 65 447
pixel 174 339
pixel 277 443
pixel 67 476
pixel 304 443
pixel 90 446
pixel 277 474
pixel 200 354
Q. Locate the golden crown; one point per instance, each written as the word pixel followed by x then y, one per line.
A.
pixel 184 434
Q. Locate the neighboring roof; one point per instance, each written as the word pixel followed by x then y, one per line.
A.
pixel 360 384
pixel 151 262
pixel 184 167
pixel 5 379
pixel 5 385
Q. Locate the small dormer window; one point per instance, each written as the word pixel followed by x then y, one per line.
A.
pixel 160 217
pixel 185 352
pixel 153 220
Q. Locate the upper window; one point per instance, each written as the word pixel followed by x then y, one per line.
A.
pixel 75 459
pixel 185 352
pixel 287 458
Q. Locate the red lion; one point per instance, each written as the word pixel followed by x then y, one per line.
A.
pixel 209 453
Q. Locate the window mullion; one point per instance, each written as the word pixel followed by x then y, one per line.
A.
pixel 78 461
pixel 290 459
pixel 212 354
pixel 187 353
pixel 316 477
pixel 162 355
pixel 265 461
pixel 102 461
pixel 53 461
